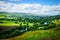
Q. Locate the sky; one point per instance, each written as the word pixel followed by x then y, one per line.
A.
pixel 41 7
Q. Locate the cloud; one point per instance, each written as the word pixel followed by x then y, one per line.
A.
pixel 30 8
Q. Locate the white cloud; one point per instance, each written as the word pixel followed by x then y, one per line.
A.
pixel 30 8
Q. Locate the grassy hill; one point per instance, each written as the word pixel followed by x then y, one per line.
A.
pixel 38 35
pixel 50 34
pixel 30 27
pixel 7 20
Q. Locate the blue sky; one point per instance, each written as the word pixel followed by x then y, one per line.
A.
pixel 43 2
pixel 41 7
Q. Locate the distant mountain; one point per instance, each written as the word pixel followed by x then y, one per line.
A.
pixel 24 14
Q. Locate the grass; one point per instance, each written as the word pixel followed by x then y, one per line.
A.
pixel 8 23
pixel 39 35
pixel 30 24
pixel 35 35
pixel 57 22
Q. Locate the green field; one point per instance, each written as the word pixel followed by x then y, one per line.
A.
pixel 29 27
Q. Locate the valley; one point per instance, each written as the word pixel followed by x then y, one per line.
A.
pixel 23 26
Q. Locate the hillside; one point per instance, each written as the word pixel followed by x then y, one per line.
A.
pixel 31 27
pixel 39 35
